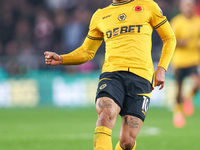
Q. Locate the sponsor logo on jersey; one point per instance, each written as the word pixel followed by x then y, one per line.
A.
pixel 124 29
pixel 102 86
pixel 116 32
pixel 122 17
pixel 106 16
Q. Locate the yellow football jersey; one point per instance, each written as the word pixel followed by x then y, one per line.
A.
pixel 189 30
pixel 126 29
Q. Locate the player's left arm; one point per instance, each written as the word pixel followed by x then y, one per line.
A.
pixel 169 43
pixel 162 26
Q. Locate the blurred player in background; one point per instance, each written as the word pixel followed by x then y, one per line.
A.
pixel 186 58
pixel 128 76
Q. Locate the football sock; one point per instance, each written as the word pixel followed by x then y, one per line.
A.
pixel 102 138
pixel 192 94
pixel 118 147
pixel 178 108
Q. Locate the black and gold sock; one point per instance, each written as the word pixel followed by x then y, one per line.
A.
pixel 102 138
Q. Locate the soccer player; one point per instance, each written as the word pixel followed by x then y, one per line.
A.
pixel 128 77
pixel 186 58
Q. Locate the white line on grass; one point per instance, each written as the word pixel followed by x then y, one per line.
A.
pixel 145 131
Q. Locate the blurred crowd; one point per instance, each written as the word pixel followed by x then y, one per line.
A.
pixel 30 27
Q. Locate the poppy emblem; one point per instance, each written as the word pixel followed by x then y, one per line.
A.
pixel 138 8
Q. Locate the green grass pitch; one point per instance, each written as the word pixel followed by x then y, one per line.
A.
pixel 72 129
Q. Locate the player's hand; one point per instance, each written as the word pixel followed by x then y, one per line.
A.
pixel 52 58
pixel 160 77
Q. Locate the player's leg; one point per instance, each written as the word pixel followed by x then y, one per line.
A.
pixel 178 117
pixel 134 110
pixel 107 111
pixel 178 102
pixel 109 99
pixel 133 114
pixel 188 107
pixel 129 131
pixel 196 82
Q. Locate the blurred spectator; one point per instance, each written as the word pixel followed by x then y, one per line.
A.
pixel 27 57
pixel 11 51
pixel 76 29
pixel 60 20
pixel 197 8
pixel 7 23
pixel 23 31
pixel 11 48
pixel 44 29
pixel 60 4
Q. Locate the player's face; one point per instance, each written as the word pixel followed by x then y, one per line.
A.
pixel 187 8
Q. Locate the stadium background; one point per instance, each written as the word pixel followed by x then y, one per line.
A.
pixel 27 85
pixel 30 27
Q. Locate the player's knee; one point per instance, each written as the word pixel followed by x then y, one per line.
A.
pixel 105 118
pixel 127 142
pixel 196 81
pixel 196 87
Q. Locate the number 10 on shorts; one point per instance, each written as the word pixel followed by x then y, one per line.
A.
pixel 145 104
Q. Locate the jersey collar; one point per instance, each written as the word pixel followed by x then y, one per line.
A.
pixel 121 3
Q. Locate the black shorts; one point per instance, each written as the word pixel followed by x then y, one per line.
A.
pixel 127 90
pixel 180 74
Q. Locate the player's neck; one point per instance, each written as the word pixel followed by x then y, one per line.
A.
pixel 119 1
pixel 188 15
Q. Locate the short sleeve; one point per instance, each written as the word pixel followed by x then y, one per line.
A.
pixel 157 18
pixel 94 32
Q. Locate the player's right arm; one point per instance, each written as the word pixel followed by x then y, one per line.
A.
pixel 82 54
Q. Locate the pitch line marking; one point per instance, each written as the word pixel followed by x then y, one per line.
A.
pixel 145 131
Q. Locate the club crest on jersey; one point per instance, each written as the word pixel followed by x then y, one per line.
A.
pixel 138 9
pixel 122 17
